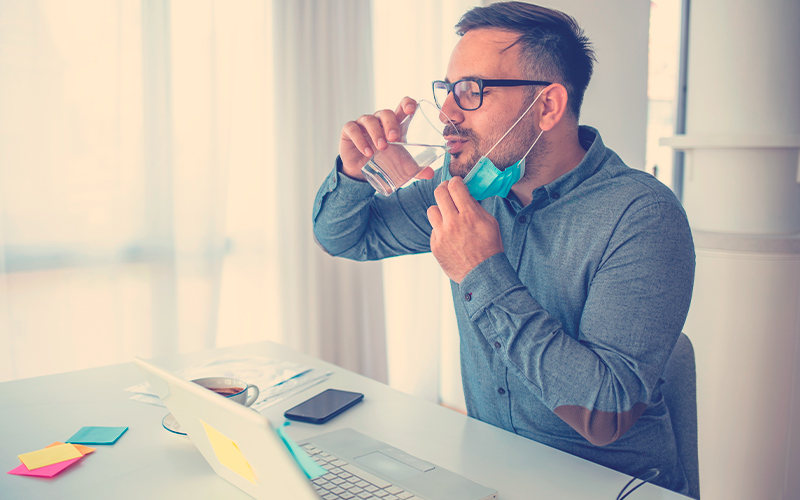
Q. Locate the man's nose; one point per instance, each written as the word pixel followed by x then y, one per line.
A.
pixel 450 111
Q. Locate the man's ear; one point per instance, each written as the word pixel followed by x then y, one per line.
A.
pixel 554 99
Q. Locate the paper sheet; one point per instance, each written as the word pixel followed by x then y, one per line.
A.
pixel 52 469
pixel 97 435
pixel 275 379
pixel 50 455
pixel 85 450
pixel 229 454
pixel 46 471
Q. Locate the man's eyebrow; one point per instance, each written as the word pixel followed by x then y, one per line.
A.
pixel 468 77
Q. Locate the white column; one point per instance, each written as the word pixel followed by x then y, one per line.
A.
pixel 742 196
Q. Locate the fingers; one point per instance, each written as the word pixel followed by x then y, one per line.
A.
pixel 435 217
pixel 352 132
pixel 378 126
pixel 367 135
pixel 406 108
pixel 459 192
pixel 444 200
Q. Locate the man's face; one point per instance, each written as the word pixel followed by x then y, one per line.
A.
pixel 484 53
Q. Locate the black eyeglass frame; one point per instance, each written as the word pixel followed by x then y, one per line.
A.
pixel 481 84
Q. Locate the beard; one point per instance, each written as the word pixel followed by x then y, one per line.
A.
pixel 505 154
pixel 462 162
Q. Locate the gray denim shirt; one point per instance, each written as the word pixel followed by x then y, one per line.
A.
pixel 565 334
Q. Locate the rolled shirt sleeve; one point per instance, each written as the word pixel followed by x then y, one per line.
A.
pixel 350 220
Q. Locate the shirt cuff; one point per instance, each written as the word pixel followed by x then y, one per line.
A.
pixel 354 189
pixel 488 280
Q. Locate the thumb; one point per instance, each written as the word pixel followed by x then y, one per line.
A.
pixel 425 173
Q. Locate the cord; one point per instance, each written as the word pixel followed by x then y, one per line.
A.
pixel 653 474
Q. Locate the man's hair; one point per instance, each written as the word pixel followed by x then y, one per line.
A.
pixel 553 46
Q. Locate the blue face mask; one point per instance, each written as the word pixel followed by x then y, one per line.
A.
pixel 485 179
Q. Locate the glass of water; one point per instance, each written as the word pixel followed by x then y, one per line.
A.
pixel 421 144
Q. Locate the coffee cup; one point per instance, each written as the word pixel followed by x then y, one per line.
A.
pixel 232 388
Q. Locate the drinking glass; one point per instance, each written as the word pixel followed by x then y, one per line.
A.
pixel 421 144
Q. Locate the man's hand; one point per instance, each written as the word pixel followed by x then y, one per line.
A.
pixel 369 134
pixel 464 233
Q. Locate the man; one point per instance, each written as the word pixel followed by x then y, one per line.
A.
pixel 572 287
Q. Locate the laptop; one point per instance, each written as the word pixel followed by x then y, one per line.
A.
pixel 241 446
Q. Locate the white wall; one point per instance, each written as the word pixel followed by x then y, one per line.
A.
pixel 742 196
pixel 616 100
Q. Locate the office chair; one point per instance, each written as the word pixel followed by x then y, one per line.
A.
pixel 680 395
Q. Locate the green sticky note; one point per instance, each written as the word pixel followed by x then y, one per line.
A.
pixel 312 469
pixel 97 435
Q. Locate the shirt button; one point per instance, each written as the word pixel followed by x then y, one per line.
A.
pixel 522 219
pixel 497 345
pixel 501 390
pixel 555 196
pixel 468 296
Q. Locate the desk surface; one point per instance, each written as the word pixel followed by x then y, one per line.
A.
pixel 149 462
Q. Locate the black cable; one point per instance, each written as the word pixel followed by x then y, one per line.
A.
pixel 653 474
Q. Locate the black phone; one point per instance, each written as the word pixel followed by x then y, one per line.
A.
pixel 324 406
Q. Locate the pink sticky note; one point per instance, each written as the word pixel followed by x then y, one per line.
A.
pixel 46 471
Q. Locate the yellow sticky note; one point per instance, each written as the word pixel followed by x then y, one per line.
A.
pixel 49 456
pixel 85 450
pixel 229 454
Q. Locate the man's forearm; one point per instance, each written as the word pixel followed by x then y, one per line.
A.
pixel 351 221
pixel 341 215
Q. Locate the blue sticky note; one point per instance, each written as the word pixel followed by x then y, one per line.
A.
pixel 312 469
pixel 97 435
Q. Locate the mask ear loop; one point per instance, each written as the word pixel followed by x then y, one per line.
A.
pixel 515 124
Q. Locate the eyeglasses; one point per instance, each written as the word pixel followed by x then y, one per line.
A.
pixel 468 92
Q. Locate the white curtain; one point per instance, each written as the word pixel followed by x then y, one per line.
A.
pixel 79 240
pixel 413 41
pixel 333 308
pixel 145 208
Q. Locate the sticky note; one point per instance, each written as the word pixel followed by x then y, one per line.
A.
pixel 52 469
pixel 312 469
pixel 97 435
pixel 85 450
pixel 49 456
pixel 229 454
pixel 46 471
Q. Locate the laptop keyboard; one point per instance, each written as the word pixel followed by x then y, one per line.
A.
pixel 347 482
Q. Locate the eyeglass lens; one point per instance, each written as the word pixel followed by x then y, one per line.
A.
pixel 467 94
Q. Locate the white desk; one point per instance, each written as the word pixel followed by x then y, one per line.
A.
pixel 149 462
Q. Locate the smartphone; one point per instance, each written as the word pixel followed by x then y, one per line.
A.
pixel 324 406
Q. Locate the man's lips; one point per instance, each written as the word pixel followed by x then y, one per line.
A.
pixel 455 144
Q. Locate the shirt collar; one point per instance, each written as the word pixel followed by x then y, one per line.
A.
pixel 595 153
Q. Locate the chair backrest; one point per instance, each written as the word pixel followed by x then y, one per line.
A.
pixel 680 394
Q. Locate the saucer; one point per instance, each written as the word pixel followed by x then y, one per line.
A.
pixel 172 425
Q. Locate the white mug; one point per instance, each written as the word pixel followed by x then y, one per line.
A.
pixel 232 388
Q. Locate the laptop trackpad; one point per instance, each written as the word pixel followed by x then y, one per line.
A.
pixel 387 466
